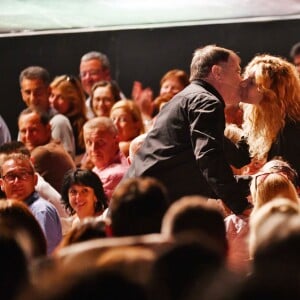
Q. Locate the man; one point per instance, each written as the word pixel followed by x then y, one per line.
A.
pixel 295 56
pixel 102 148
pixel 50 159
pixel 185 148
pixel 35 90
pixel 18 180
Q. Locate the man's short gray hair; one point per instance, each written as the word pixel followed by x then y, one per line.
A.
pixel 97 55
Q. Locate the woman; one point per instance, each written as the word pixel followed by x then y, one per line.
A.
pixel 272 117
pixel 104 95
pixel 67 97
pixel 127 118
pixel 83 194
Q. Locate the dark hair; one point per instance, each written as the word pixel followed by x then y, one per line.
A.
pixel 112 85
pixel 295 50
pixel 137 206
pixel 44 117
pixel 204 58
pixel 14 147
pixel 86 178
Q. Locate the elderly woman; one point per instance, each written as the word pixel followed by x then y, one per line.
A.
pixel 83 194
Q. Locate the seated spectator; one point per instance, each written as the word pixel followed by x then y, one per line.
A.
pixel 83 195
pixel 128 120
pixel 18 220
pixel 138 206
pixel 14 273
pixel 104 95
pixel 89 228
pixel 50 159
pixel 18 180
pixel 5 135
pixel 42 187
pixel 68 98
pixel 171 83
pixel 194 214
pixel 35 90
pixel 267 184
pixel 102 148
pixel 295 56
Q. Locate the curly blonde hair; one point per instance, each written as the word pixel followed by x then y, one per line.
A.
pixel 279 83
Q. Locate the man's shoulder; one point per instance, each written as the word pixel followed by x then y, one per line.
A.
pixel 60 120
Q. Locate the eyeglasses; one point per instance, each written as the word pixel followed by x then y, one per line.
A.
pixel 260 178
pixel 11 177
pixel 90 73
pixel 289 172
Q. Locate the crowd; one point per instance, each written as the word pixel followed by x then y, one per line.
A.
pixel 189 194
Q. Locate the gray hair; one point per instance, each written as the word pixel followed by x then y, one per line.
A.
pixel 204 59
pixel 100 123
pixel 35 72
pixel 97 55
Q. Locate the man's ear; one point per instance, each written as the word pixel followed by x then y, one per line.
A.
pixel 1 185
pixel 216 71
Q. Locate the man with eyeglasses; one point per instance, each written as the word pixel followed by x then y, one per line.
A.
pixel 18 180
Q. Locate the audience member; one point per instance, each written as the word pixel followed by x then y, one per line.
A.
pixel 18 220
pixel 18 180
pixel 5 135
pixel 89 228
pixel 128 120
pixel 35 90
pixel 270 182
pixel 272 119
pixel 50 159
pixel 83 195
pixel 185 147
pixel 14 273
pixel 68 98
pixel 42 187
pixel 138 206
pixel 195 214
pixel 171 83
pixel 102 148
pixel 104 95
pixel 295 56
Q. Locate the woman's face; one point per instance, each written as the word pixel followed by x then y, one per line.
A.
pixel 103 101
pixel 250 92
pixel 61 104
pixel 128 128
pixel 82 199
pixel 171 86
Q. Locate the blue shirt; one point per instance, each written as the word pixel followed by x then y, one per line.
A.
pixel 47 216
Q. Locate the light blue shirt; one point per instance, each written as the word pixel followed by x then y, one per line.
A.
pixel 47 216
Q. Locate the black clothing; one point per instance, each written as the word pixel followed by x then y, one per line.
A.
pixel 185 148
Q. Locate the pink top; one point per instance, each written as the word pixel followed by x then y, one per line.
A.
pixel 237 229
pixel 112 174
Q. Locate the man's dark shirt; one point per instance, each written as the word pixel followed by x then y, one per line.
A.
pixel 185 148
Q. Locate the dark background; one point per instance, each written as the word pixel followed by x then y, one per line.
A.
pixel 140 54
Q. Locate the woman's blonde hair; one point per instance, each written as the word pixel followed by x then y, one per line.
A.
pixel 279 83
pixel 266 186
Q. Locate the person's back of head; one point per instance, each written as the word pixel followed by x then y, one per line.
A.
pixel 137 206
pixel 267 185
pixel 14 269
pixel 180 268
pixel 266 223
pixel 16 217
pixel 194 214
